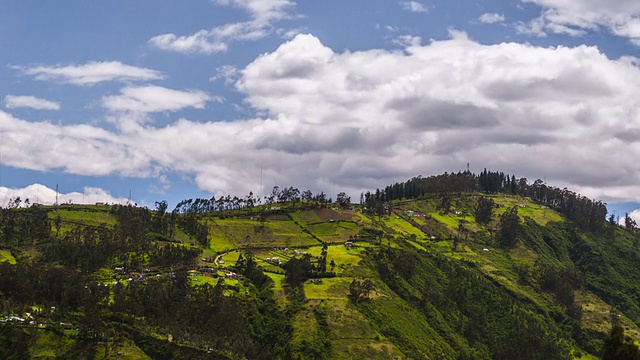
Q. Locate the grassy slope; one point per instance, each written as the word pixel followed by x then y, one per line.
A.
pixel 355 331
pixel 5 255
pixel 49 345
pixel 549 245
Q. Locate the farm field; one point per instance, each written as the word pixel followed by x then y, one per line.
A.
pixel 242 233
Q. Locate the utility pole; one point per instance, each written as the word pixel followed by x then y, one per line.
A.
pixel 55 205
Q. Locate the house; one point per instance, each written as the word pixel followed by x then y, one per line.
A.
pixel 233 276
pixel 348 244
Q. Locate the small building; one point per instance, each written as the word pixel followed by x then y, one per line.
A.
pixel 348 243
pixel 233 276
pixel 409 213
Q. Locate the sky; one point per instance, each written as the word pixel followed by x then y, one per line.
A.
pixel 169 100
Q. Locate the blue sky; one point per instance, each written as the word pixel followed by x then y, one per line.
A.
pixel 174 99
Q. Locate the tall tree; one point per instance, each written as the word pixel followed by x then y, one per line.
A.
pixel 509 227
pixel 484 209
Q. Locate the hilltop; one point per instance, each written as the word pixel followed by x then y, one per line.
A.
pixel 454 266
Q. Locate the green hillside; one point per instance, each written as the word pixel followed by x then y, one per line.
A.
pixel 455 266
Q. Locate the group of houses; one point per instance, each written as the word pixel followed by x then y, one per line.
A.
pixel 273 260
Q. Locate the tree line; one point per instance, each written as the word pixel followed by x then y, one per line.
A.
pixel 586 213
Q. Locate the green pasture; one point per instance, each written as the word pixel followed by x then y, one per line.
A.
pixel 84 216
pixel 229 259
pixel 338 231
pixel 278 281
pixel 353 336
pixel 5 255
pixel 331 288
pixel 526 208
pixel 307 216
pixel 239 233
pixel 402 226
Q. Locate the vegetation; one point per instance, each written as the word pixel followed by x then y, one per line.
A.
pixel 454 266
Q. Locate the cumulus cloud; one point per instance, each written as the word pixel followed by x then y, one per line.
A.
pixel 352 121
pixel 414 6
pixel 41 194
pixel 635 215
pixel 577 17
pixel 149 99
pixel 20 101
pixel 491 18
pixel 91 73
pixel 263 14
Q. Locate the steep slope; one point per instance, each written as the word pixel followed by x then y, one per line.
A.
pixel 432 274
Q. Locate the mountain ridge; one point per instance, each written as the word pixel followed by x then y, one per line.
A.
pixel 417 270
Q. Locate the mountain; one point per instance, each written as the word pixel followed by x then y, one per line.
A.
pixel 453 266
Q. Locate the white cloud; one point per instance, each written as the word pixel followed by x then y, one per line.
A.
pixel 229 73
pixel 263 14
pixel 535 27
pixel 407 40
pixel 200 42
pixel 262 10
pixel 162 187
pixel 41 194
pixel 414 6
pixel 148 99
pixel 91 73
pixel 19 101
pixel 491 18
pixel 635 215
pixel 577 17
pixel 352 121
pixel 290 33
